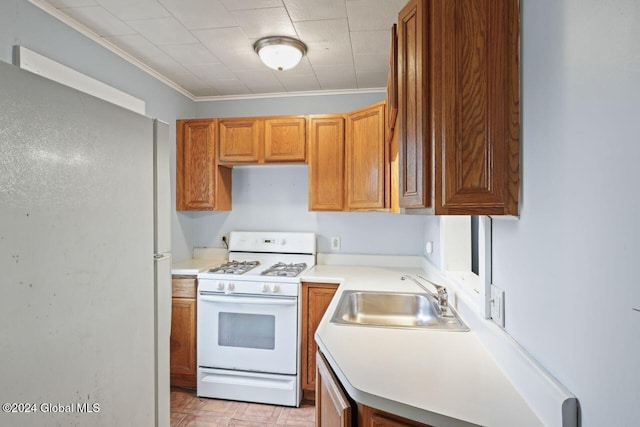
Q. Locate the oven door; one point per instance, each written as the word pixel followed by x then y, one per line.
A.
pixel 248 333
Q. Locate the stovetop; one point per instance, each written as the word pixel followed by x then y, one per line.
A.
pixel 284 269
pixel 235 267
pixel 254 270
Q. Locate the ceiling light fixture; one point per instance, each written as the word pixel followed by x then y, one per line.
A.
pixel 279 52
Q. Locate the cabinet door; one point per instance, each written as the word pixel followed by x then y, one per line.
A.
pixel 316 297
pixel 285 139
pixel 195 164
pixel 371 417
pixel 366 158
pixel 183 364
pixel 326 163
pixel 392 82
pixel 332 407
pixel 414 142
pixel 240 140
pixel 476 106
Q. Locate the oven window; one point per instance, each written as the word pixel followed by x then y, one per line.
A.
pixel 247 330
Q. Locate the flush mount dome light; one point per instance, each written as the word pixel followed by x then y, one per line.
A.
pixel 280 53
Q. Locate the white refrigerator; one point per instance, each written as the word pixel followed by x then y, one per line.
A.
pixel 84 259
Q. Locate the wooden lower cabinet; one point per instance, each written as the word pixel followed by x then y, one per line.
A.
pixel 183 362
pixel 316 297
pixel 371 417
pixel 334 408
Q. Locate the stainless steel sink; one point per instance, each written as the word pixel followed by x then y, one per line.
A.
pixel 394 310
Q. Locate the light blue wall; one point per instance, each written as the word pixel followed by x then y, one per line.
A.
pixel 318 104
pixel 23 24
pixel 276 198
pixel 568 265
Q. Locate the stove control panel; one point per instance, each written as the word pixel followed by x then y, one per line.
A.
pixel 270 288
pixel 247 287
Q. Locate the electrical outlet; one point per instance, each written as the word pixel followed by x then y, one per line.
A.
pixel 335 243
pixel 497 305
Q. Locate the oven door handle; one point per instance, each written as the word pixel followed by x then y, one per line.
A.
pixel 249 300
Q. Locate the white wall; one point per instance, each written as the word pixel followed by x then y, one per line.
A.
pixel 24 24
pixel 568 265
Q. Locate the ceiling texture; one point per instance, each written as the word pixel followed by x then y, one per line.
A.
pixel 205 47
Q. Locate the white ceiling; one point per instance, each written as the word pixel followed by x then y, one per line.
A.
pixel 206 46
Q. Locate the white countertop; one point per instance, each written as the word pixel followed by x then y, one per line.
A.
pixel 193 266
pixel 436 377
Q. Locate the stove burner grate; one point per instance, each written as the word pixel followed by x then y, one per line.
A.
pixel 283 269
pixel 235 267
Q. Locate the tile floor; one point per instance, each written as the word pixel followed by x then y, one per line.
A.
pixel 189 410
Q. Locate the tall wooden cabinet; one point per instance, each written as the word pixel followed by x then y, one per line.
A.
pixel 349 161
pixel 458 104
pixel 200 183
pixel 326 162
pixel 315 298
pixel 366 159
pixel 183 359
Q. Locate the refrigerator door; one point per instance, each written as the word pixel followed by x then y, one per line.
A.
pixel 163 333
pixel 162 186
pixel 76 228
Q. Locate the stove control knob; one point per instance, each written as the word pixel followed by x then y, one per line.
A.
pixel 276 289
pixel 220 286
pixel 265 288
pixel 230 287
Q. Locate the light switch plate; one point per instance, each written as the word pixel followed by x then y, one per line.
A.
pixel 335 243
pixel 497 305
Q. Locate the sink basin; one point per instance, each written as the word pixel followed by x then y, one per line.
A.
pixel 394 310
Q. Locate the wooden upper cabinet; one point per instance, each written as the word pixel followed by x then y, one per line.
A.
pixel 240 140
pixel 476 106
pixel 200 183
pixel 392 83
pixel 326 162
pixel 254 140
pixel 414 147
pixel 366 160
pixel 285 139
pixel 458 83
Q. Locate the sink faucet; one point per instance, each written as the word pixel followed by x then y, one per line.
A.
pixel 441 292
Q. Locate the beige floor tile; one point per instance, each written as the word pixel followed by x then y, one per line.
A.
pixel 182 400
pixel 176 418
pixel 258 412
pixel 304 416
pixel 245 423
pixel 188 410
pixel 218 407
pixel 204 421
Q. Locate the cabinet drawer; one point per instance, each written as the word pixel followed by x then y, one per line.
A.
pixel 184 287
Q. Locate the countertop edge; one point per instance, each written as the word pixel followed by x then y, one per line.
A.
pixel 393 407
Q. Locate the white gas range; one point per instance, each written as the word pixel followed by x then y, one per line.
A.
pixel 248 319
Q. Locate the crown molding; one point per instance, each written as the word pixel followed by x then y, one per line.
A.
pixel 109 46
pixel 289 94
